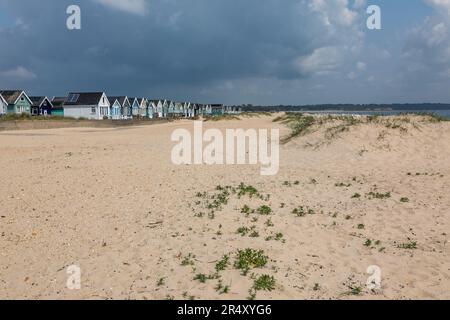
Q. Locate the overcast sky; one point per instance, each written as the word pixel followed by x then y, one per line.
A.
pixel 230 51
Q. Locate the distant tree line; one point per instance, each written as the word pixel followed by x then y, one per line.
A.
pixel 347 107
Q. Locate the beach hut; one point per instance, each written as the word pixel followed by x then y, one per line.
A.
pixel 170 108
pixel 207 110
pixel 143 106
pixel 161 108
pixel 217 109
pixel 134 107
pixel 120 107
pixel 58 106
pixel 3 106
pixel 186 109
pixel 179 110
pixel 89 105
pixel 151 109
pixel 153 105
pixel 17 101
pixel 42 106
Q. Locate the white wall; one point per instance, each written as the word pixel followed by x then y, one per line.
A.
pixel 81 112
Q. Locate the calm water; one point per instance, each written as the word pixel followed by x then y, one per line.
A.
pixel 443 113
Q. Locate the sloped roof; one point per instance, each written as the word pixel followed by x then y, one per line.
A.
pixel 11 96
pixel 83 98
pixel 121 100
pixel 58 102
pixel 37 101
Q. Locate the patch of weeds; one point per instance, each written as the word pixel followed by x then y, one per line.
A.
pixel 316 287
pixel 249 258
pixel 250 191
pixel 355 290
pixel 277 237
pixel 361 226
pixel 404 200
pixel 264 210
pixel 187 296
pixel 282 205
pixel 243 231
pixel 264 282
pixel 202 194
pixel 269 223
pixel 341 185
pixel 161 282
pixel 377 195
pixel 188 260
pixel 286 184
pixel 251 294
pixel 247 210
pixel 222 264
pixel 254 234
pixel 408 245
pixel 201 277
pixel 221 288
pixel 219 200
pixel 368 243
pixel 302 211
pixel 356 196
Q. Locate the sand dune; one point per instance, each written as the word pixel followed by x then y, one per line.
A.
pixel 139 227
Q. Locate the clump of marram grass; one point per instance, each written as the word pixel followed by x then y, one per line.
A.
pixel 302 124
pixel 224 117
pixel 255 114
pixel 298 123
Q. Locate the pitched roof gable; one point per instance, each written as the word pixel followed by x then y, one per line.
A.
pixel 120 99
pixel 12 96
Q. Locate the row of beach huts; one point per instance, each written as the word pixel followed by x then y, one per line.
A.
pixel 99 106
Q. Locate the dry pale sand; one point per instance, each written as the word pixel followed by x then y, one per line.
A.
pixel 112 202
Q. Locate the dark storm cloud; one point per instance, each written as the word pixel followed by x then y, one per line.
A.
pixel 193 44
pixel 261 51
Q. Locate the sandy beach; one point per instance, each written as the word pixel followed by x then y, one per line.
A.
pixel 111 201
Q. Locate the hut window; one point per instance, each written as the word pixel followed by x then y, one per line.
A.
pixel 93 110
